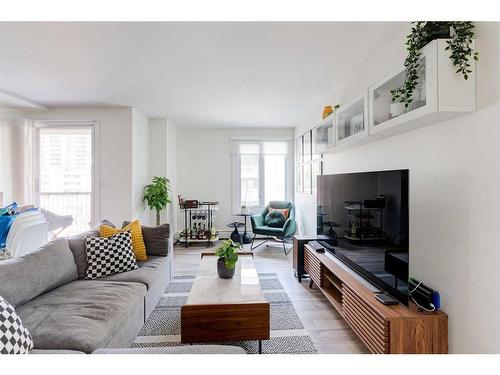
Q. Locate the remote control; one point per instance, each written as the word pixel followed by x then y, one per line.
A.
pixel 316 246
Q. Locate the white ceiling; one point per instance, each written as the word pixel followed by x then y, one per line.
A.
pixel 199 74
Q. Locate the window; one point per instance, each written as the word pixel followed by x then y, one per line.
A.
pixel 65 173
pixel 261 172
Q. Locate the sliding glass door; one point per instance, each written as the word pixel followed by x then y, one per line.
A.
pixel 64 183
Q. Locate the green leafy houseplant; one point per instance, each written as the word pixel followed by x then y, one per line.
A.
pixel 228 255
pixel 460 35
pixel 157 195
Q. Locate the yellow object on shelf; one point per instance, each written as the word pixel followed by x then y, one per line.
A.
pixel 327 111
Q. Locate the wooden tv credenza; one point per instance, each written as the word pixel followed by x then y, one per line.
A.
pixel 383 329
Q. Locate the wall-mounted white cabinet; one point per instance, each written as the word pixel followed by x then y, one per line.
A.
pixel 324 135
pixel 352 122
pixel 440 94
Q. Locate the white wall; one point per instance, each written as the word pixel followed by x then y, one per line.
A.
pixel 114 148
pixel 173 208
pixel 6 188
pixel 454 193
pixel 163 162
pixel 204 166
pixel 140 166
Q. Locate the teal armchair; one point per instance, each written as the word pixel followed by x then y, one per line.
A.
pixel 283 234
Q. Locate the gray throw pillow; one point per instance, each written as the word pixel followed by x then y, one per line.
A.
pixel 78 248
pixel 275 219
pixel 155 239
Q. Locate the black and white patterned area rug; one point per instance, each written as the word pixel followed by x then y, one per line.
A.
pixel 288 335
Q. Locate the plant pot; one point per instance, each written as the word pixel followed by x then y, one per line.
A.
pixel 223 271
pixel 397 109
pixel 436 30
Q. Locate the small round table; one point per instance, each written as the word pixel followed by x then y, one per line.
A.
pixel 246 239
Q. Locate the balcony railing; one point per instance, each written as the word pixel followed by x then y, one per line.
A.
pixel 76 204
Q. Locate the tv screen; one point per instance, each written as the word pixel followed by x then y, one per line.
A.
pixel 365 216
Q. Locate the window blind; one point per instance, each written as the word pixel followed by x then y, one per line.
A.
pixel 260 147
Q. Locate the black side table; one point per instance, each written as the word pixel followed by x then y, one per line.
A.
pixel 245 237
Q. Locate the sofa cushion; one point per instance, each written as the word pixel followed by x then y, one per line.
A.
pixel 146 274
pixel 77 246
pixel 82 315
pixel 24 278
pixel 269 231
pixel 155 238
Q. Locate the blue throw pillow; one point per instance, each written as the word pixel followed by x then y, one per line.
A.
pixel 275 219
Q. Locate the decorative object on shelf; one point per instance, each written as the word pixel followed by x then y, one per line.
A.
pixel 228 256
pixel 461 36
pixel 157 195
pixel 397 109
pixel 329 109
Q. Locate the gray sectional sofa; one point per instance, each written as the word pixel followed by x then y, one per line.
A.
pixel 65 312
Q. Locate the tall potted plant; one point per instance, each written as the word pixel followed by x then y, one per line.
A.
pixel 157 195
pixel 460 45
pixel 228 256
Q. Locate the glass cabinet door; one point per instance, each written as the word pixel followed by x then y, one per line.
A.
pixel 386 114
pixel 324 135
pixel 385 109
pixel 351 122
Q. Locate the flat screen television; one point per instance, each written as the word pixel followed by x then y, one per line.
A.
pixel 365 217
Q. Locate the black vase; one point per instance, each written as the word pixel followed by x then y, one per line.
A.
pixel 223 271
pixel 235 235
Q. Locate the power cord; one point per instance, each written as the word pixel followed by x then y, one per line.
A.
pixel 416 303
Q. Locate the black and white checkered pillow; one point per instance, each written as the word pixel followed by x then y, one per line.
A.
pixel 14 336
pixel 107 256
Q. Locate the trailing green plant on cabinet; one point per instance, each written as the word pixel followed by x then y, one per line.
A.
pixel 436 82
pixel 439 94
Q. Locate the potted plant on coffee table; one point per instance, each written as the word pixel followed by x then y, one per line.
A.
pixel 228 256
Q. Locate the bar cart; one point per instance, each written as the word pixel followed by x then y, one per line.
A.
pixel 198 222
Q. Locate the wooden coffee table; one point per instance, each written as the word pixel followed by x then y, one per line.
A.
pixel 219 310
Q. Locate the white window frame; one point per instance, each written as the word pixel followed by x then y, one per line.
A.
pixel 236 176
pixel 96 180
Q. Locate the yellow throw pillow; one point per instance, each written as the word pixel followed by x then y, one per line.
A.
pixel 138 245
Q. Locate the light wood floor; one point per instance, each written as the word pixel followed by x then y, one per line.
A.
pixel 325 326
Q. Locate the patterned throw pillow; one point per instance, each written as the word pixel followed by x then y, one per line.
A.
pixel 138 245
pixel 284 211
pixel 107 256
pixel 14 336
pixel 275 219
